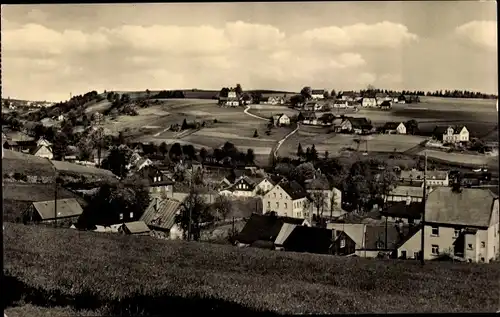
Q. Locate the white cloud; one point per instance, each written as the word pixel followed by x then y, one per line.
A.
pixel 383 34
pixel 482 33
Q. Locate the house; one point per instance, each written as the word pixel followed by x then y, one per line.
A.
pixel 142 163
pixel 369 102
pixel 394 128
pixel 287 198
pixel 43 142
pixel 60 117
pixel 267 184
pixel 160 218
pixel 356 125
pixel 264 228
pixel 232 99
pixel 405 193
pixel 385 105
pixel 433 177
pixel 68 212
pixel 317 94
pixel 406 212
pixel 326 200
pixel 244 187
pixel 43 151
pixel 313 106
pixel 300 238
pixel 134 228
pixel 369 240
pixel 349 96
pixel 340 104
pixel 310 118
pixel 327 118
pixel 461 223
pixel 155 180
pixel 455 135
pixel 281 119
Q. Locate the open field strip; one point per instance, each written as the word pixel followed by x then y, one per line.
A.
pixel 458 157
pixel 215 133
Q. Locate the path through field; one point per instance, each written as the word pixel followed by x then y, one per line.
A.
pixel 252 115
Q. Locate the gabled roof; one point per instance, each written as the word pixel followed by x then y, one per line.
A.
pixel 264 227
pixel 38 148
pixel 275 179
pixel 309 239
pixel 391 125
pixel 470 207
pixel 358 122
pixel 407 191
pixel 396 235
pixel 293 189
pixel 318 91
pixel 65 208
pixel 161 213
pixel 401 209
pixel 136 227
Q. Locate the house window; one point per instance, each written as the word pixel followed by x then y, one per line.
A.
pixel 403 254
pixel 286 206
pixel 268 204
pixel 277 204
pixel 274 195
pixel 469 246
pixel 482 260
pixel 456 233
pixel 342 243
pixel 435 249
pixel 435 231
pixel 415 255
pixel 483 244
pixel 281 195
pixel 131 215
pixel 121 216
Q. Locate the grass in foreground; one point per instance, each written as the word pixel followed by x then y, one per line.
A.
pixel 124 274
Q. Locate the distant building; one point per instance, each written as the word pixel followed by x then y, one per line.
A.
pixel 287 198
pixel 318 94
pixel 68 212
pixel 232 99
pixel 433 178
pixel 134 228
pixel 369 102
pixel 281 119
pixel 43 151
pixel 454 134
pixel 394 128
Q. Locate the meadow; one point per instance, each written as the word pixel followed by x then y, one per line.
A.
pixel 118 275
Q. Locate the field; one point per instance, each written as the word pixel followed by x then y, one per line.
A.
pixel 130 275
pixel 467 159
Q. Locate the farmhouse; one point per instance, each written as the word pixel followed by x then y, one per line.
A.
pixel 134 228
pixel 44 142
pixel 303 238
pixel 160 218
pixel 310 118
pixel 68 212
pixel 461 223
pixel 349 96
pixel 313 106
pixel 267 184
pixel 433 178
pixel 287 198
pixel 369 102
pixel 317 94
pixel 385 105
pixel 394 128
pixel 281 119
pixel 43 151
pixel 451 134
pixel 232 99
pixel 156 181
pixel 356 125
pixel 341 104
pixel 244 187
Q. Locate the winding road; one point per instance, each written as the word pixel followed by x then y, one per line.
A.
pixel 274 151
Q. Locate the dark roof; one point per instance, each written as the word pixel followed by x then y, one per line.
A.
pixel 136 227
pixel 161 213
pixel 470 207
pixel 401 209
pixel 391 125
pixel 309 239
pixel 149 173
pixel 375 236
pixel 264 227
pixel 318 91
pixel 65 208
pixel 275 179
pixel 293 189
pixel 358 122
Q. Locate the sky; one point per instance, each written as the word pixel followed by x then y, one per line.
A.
pixel 50 51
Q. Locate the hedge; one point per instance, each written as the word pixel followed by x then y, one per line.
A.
pixel 143 275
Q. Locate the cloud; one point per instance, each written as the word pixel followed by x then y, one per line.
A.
pixel 205 56
pixel 383 34
pixel 481 33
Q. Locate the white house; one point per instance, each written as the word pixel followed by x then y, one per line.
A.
pixel 60 117
pixel 43 151
pixel 369 102
pixel 318 94
pixel 243 187
pixel 287 199
pixel 281 119
pixel 460 134
pixel 433 178
pixel 462 224
pixel 394 128
pixel 43 142
pixel 265 185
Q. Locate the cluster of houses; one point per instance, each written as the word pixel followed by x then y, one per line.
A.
pixel 367 100
pixel 234 99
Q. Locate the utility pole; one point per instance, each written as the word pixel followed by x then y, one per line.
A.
pixel 424 198
pixel 55 192
pixel 191 204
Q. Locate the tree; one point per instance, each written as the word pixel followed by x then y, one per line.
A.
pixel 148 93
pixel 314 153
pixel 223 207
pixel 175 151
pixel 250 156
pixel 326 94
pixel 203 154
pixel 193 211
pixel 117 160
pixel 86 148
pixel 224 92
pixel 60 145
pixel 189 151
pixel 304 172
pixel 238 90
pixel 333 94
pixel 163 148
pixel 297 99
pixel 319 202
pixel 256 134
pixel 111 200
pixel 184 124
pixel 326 155
pixel 306 92
pixel 300 151
pixel 411 126
pixel 67 127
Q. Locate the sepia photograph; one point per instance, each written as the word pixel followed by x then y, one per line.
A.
pixel 249 158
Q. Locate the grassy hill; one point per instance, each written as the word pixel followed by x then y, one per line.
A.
pixel 36 167
pixel 116 274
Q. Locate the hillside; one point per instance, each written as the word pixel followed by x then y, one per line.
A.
pixel 38 169
pixel 141 275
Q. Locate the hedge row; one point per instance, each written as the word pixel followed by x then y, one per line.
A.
pixel 145 272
